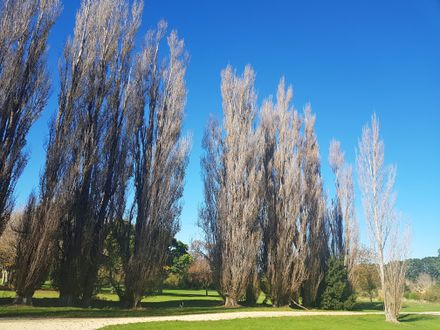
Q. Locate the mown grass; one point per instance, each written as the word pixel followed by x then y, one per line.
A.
pixel 46 304
pixel 360 322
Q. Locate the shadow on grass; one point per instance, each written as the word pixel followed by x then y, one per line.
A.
pixel 51 307
pixel 55 302
pixel 408 318
pixel 185 303
pixel 184 294
pixel 366 305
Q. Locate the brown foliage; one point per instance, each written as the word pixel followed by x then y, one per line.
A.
pixel 239 190
pixel 343 224
pixel 263 189
pixel 312 214
pixel 285 244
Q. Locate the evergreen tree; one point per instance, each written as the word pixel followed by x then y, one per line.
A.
pixel 338 293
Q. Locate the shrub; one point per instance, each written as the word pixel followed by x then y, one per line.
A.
pixel 432 294
pixel 412 295
pixel 172 281
pixel 338 293
pixel 366 280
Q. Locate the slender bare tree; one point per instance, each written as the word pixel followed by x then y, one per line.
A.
pixel 24 85
pixel 343 222
pixel 312 213
pixel 83 185
pixel 378 198
pixel 27 283
pixel 395 270
pixel 240 192
pixel 94 78
pixel 160 155
pixel 232 178
pixel 212 175
pixel 284 235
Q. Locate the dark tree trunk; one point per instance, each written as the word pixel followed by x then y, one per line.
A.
pixel 131 300
pixel 68 299
pixel 23 299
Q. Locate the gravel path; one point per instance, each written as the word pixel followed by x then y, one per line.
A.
pixel 96 323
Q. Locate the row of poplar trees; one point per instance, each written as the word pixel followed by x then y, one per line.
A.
pixel 116 161
pixel 114 144
pixel 265 213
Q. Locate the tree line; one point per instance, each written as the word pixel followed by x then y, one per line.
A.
pixel 265 214
pixel 116 160
pixel 118 125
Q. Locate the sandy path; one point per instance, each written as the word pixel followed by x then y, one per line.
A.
pixel 96 323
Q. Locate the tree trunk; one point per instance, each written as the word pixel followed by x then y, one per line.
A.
pixel 23 300
pixel 307 300
pixel 252 291
pixel 206 292
pixel 68 279
pixel 67 299
pixel 86 301
pixel 131 300
pixel 231 302
pixel 135 302
pixel 279 299
pixel 278 303
pixel 390 317
pixel 88 288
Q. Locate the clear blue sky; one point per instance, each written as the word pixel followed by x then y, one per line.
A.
pixel 347 58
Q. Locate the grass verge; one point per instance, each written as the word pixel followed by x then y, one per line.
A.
pixel 304 322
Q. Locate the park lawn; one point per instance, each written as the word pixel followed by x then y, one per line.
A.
pixel 168 295
pixel 365 305
pixel 194 302
pixel 39 294
pixel 419 306
pixel 366 322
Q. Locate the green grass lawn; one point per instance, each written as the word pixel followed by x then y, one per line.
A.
pixel 306 322
pixel 194 301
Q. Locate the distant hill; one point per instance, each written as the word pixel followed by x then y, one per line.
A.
pixel 428 265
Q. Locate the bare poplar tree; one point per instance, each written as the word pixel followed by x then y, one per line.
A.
pixel 212 175
pixel 395 270
pixel 312 213
pixel 343 223
pixel 160 155
pixel 232 180
pixel 24 85
pixel 284 235
pixel 240 193
pixel 94 79
pixel 378 198
pixel 83 186
pixel 27 283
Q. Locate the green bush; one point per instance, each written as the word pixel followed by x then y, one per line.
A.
pixel 172 281
pixel 338 294
pixel 412 295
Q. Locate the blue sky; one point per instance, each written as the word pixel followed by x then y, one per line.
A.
pixel 347 58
